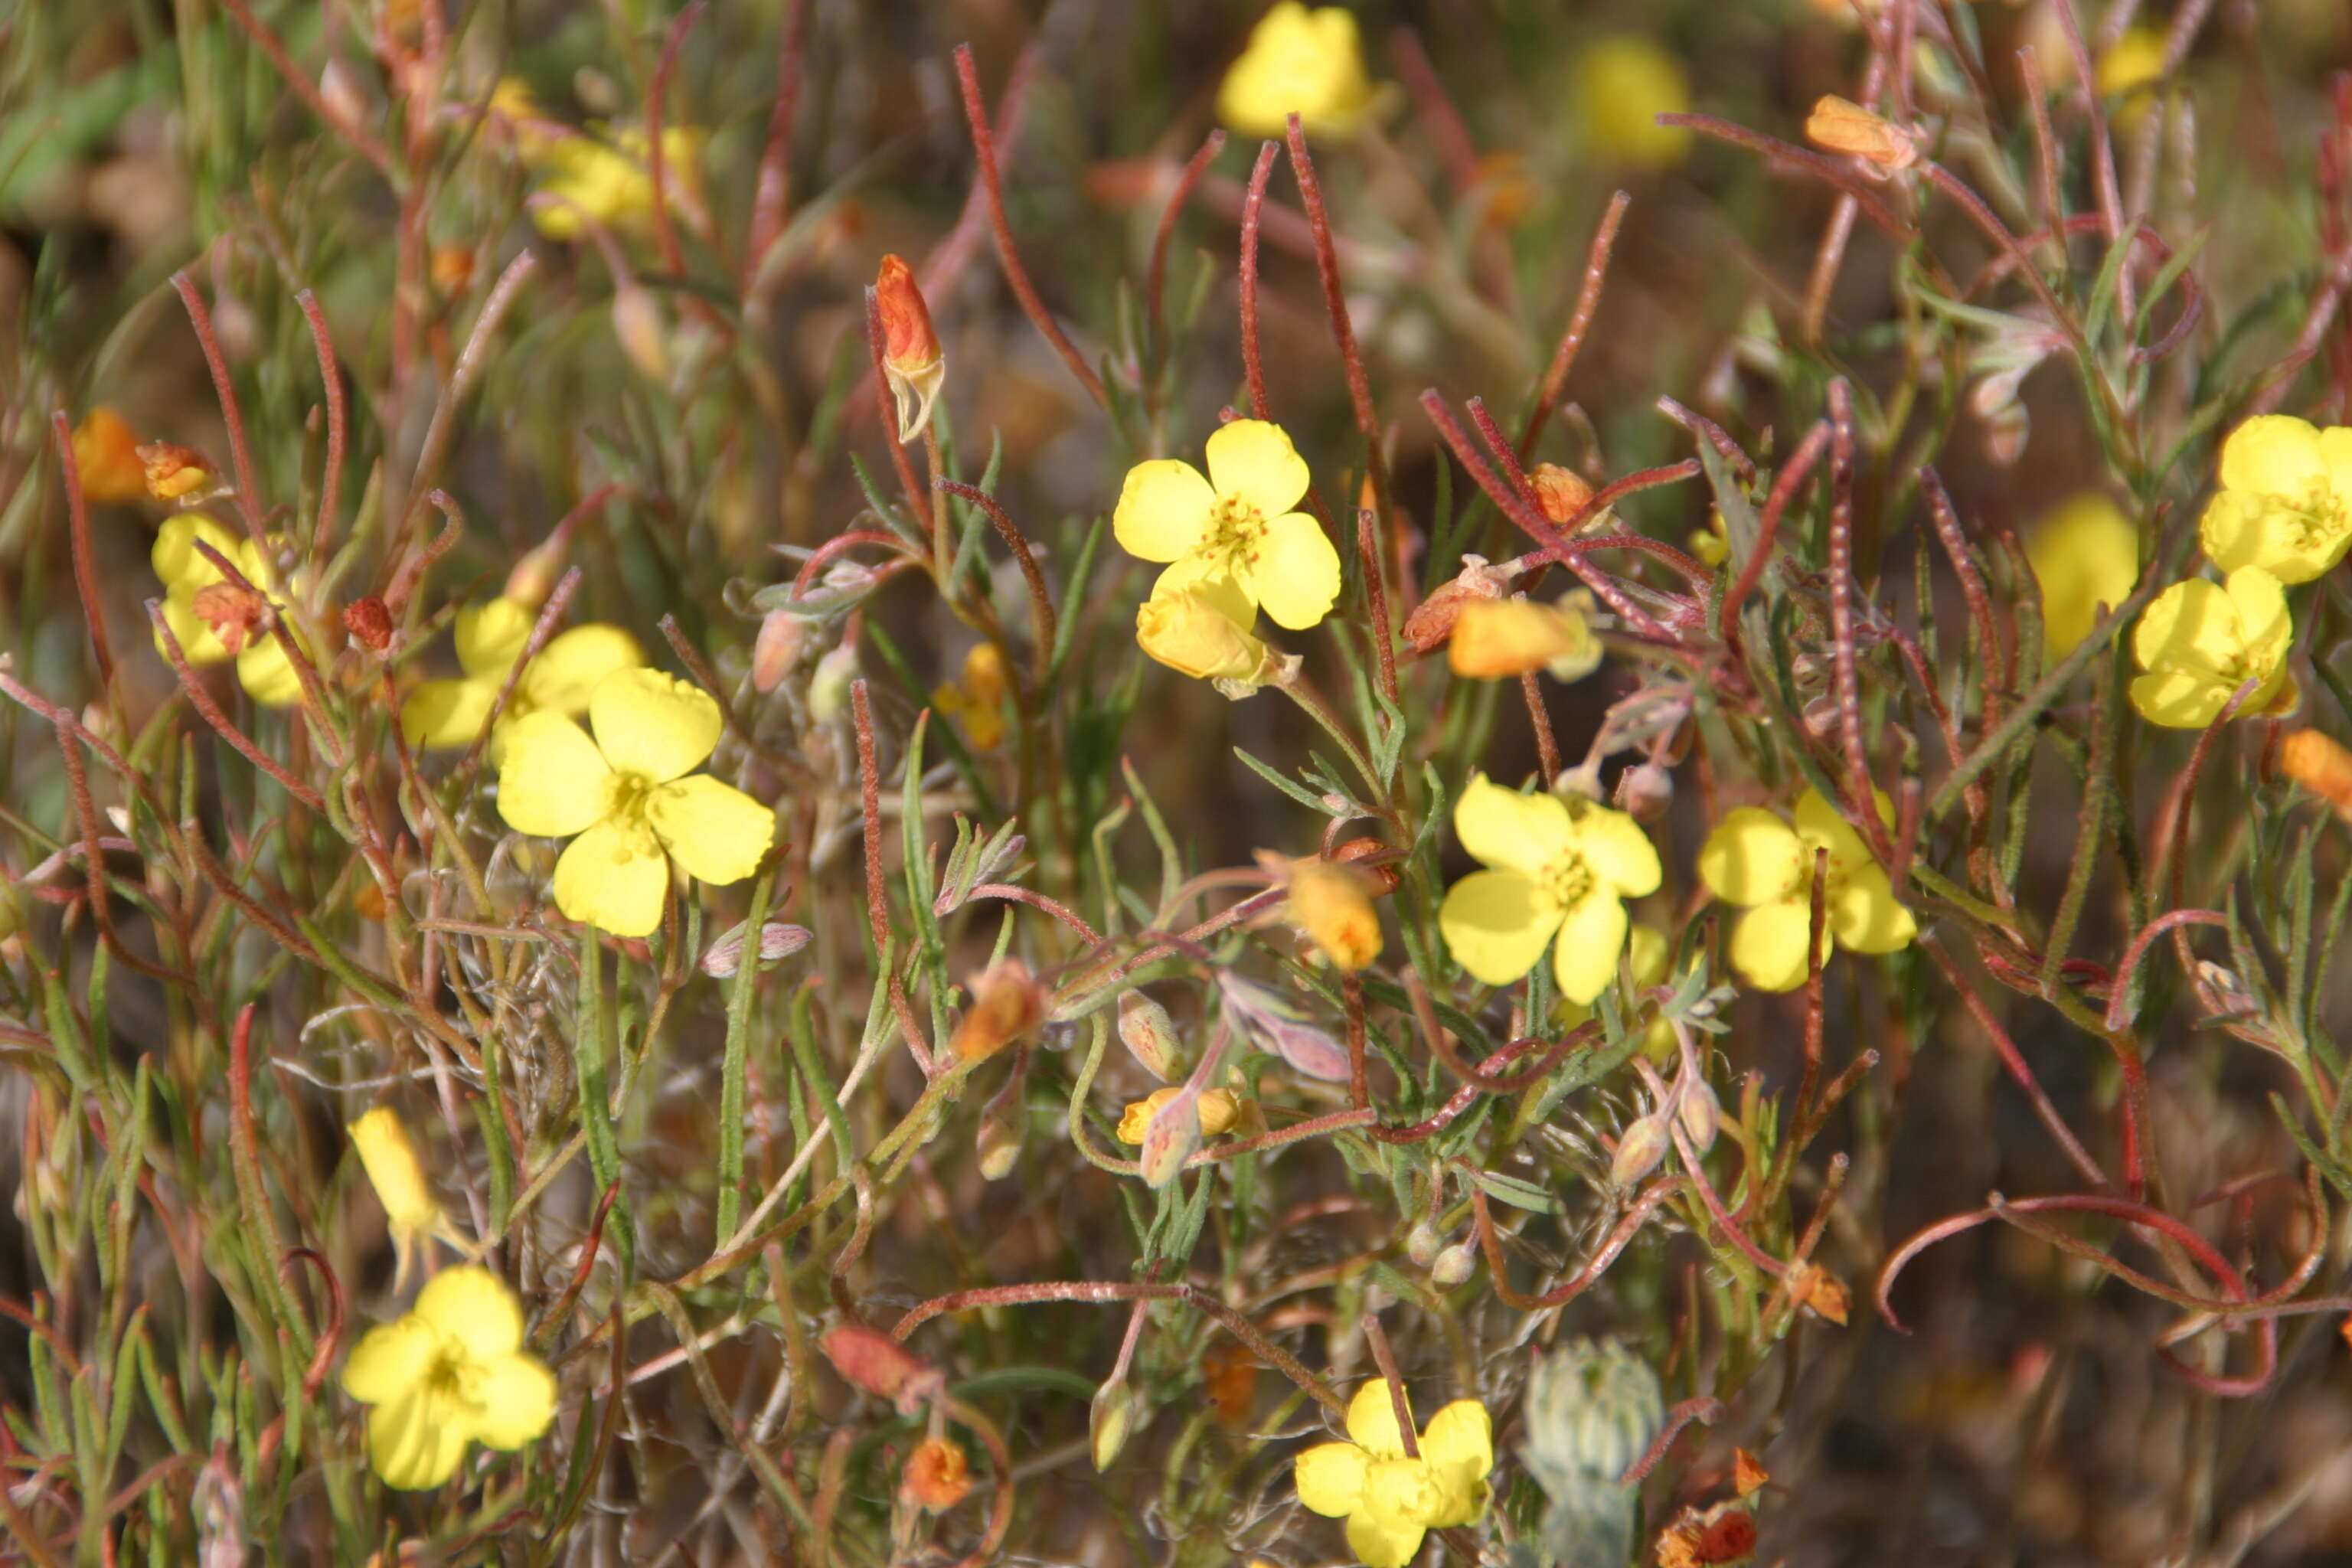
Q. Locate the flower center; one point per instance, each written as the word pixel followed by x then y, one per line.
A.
pixel 2318 515
pixel 1236 531
pixel 454 1375
pixel 630 795
pixel 1568 881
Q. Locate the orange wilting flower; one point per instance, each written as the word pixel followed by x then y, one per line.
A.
pixel 106 454
pixel 1007 1002
pixel 1332 904
pixel 939 1474
pixel 1816 1288
pixel 978 698
pixel 173 471
pixel 232 610
pixel 1843 127
pixel 873 1360
pixel 2321 766
pixel 911 358
pixel 1709 1538
pixel 1560 493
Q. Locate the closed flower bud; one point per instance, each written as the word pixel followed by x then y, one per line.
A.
pixel 1193 633
pixel 1001 1122
pixel 1333 906
pixel 1514 636
pixel 338 89
pixel 1644 1143
pixel 1842 127
pixel 777 649
pixel 1421 1244
pixel 2320 765
pixel 939 1474
pixel 1111 1420
pixel 1432 621
pixel 1822 1292
pixel 1007 1002
pixel 638 328
pixel 828 693
pixel 1148 1034
pixel 1560 492
pixel 1645 791
pixel 369 623
pixel 1453 1266
pixel 873 1360
pixel 1217 1107
pixel 106 455
pixel 173 471
pixel 778 941
pixel 912 359
pixel 1699 1112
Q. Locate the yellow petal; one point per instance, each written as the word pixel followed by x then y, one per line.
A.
pixel 1822 826
pixel 1329 1476
pixel 491 636
pixel 1497 923
pixel 389 1360
pixel 473 1306
pixel 1460 1439
pixel 267 672
pixel 1864 916
pixel 1199 629
pixel 175 557
pixel 516 1396
pixel 442 714
pixel 2238 530
pixel 1591 936
pixel 1768 945
pixel 1296 573
pixel 1624 83
pixel 714 831
pixel 1615 847
pixel 1254 461
pixel 191 631
pixel 653 726
pixel 2084 555
pixel 1751 857
pixel 1163 510
pixel 2273 453
pixel 613 877
pixel 1302 62
pixel 574 663
pixel 1381 1544
pixel 1646 950
pixel 552 780
pixel 1509 831
pixel 1372 1422
pixel 2191 625
pixel 2264 628
pixel 389 1161
pixel 416 1441
pixel 1399 1494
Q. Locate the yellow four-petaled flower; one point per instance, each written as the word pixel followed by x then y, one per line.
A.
pixel 1555 867
pixel 1302 62
pixel 1391 1500
pixel 490 639
pixel 451 1371
pixel 262 666
pixel 626 795
pixel 2285 500
pixel 1235 526
pixel 1756 859
pixel 2201 641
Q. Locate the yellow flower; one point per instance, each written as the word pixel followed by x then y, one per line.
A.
pixel 1623 84
pixel 389 1161
pixel 452 1371
pixel 978 697
pixel 1235 524
pixel 490 639
pixel 1308 63
pixel 2201 641
pixel 2084 555
pixel 262 666
pixel 1201 630
pixel 1646 950
pixel 1217 1106
pixel 610 183
pixel 2285 500
pixel 1332 903
pixel 626 794
pixel 1390 1500
pixel 1494 638
pixel 1754 859
pixel 2134 61
pixel 1555 866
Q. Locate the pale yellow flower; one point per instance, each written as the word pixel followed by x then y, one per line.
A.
pixel 1303 62
pixel 2201 641
pixel 452 1371
pixel 410 1210
pixel 1391 1501
pixel 263 667
pixel 1624 83
pixel 1237 524
pixel 1756 859
pixel 2285 500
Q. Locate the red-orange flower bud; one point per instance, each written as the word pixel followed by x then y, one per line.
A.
pixel 912 359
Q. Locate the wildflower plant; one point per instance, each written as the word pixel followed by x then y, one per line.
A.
pixel 630 927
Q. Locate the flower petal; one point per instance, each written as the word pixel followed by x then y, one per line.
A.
pixel 1163 510
pixel 2273 453
pixel 440 714
pixel 175 558
pixel 389 1360
pixel 474 1307
pixel 2236 531
pixel 266 673
pixel 1496 924
pixel 653 726
pixel 2191 625
pixel 1372 1422
pixel 1751 857
pixel 716 831
pixel 2264 625
pixel 2178 699
pixel 552 780
pixel 1460 1440
pixel 1768 945
pixel 1330 1479
pixel 413 1442
pixel 1380 1544
pixel 1865 917
pixel 1509 831
pixel 1820 824
pixel 1616 848
pixel 613 877
pixel 572 666
pixel 491 636
pixel 2084 555
pixel 1254 461
pixel 191 631
pixel 516 1396
pixel 1296 575
pixel 1584 958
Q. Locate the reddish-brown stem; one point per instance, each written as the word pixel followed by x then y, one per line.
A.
pixel 1385 1358
pixel 93 860
pixel 1253 220
pixel 1713 435
pixel 1041 602
pixel 331 476
pixel 2102 151
pixel 2119 989
pixel 1785 485
pixel 331 1341
pixel 1539 720
pixel 1335 305
pixel 2014 1060
pixel 84 565
pixel 1862 804
pixel 1628 1224
pixel 240 451
pixel 1702 1409
pixel 1832 172
pixel 1999 663
pixel 1696 1169
pixel 975 113
pixel 1156 279
pixel 193 686
pixel 1037 900
pixel 840 544
pixel 771 193
pixel 656 162
pixel 870 790
pixel 1376 593
pixel 1579 322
